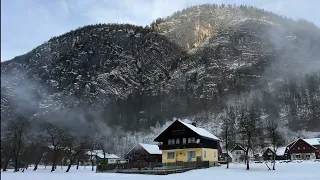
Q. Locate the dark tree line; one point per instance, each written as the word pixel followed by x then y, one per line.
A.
pixel 254 124
pixel 22 145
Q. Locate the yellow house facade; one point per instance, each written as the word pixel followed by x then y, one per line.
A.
pixel 190 155
pixel 184 142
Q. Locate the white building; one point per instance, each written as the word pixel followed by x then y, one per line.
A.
pixel 111 158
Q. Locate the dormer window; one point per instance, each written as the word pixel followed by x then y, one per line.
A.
pixel 171 141
pixel 192 140
pixel 184 140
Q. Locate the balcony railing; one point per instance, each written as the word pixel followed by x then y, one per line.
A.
pixel 179 146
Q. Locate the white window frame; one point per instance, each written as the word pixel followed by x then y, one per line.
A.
pixel 193 154
pixel 184 140
pixel 171 157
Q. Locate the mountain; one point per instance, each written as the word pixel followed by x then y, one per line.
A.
pixel 193 64
pixel 86 68
pixel 236 50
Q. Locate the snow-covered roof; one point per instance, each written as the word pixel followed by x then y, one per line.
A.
pixel 229 153
pixel 200 131
pixel 313 141
pixel 151 148
pixel 280 150
pixel 100 154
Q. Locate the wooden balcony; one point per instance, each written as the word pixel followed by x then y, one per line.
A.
pixel 179 146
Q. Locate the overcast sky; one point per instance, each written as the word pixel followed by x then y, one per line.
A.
pixel 26 24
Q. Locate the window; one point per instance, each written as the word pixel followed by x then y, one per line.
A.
pixel 204 154
pixel 192 154
pixel 170 155
pixel 307 156
pixel 192 140
pixel 214 154
pixel 304 147
pixel 171 141
pixel 178 141
pixel 298 156
pixel 298 148
pixel 184 140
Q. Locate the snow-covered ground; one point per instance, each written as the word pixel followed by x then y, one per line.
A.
pixel 292 171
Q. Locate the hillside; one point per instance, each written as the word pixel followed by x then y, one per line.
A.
pixel 192 64
pixel 86 69
pixel 237 50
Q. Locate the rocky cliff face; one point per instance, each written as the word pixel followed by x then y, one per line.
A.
pixel 194 63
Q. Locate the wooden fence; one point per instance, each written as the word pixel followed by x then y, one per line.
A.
pixel 152 168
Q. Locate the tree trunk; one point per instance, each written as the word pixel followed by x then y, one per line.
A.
pixel 6 165
pixel 78 164
pixel 36 165
pixel 53 166
pixel 247 159
pixel 92 165
pixel 227 146
pixel 274 163
pixel 69 166
pixel 54 158
pixel 16 163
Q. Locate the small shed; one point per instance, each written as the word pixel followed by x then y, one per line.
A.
pixel 142 153
pixel 280 154
pixel 226 157
pixel 99 155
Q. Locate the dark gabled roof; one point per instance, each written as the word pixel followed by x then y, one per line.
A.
pixel 293 143
pixel 200 131
pixel 237 147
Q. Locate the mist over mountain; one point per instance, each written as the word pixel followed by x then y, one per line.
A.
pixel 193 64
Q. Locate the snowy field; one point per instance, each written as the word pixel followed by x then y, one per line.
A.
pixel 292 171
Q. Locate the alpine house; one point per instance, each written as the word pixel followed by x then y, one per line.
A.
pixel 184 142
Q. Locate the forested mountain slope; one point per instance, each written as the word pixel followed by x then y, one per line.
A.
pixel 195 63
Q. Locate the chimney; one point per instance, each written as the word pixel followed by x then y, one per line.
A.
pixel 194 123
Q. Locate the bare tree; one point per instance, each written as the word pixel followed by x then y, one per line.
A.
pixel 74 146
pixel 228 129
pixel 55 137
pixel 16 134
pixel 92 145
pixel 6 153
pixel 274 137
pixel 249 129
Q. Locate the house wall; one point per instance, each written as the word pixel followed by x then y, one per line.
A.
pixel 211 155
pixel 303 156
pixel 182 155
pixel 238 156
pixel 303 149
pixel 112 161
